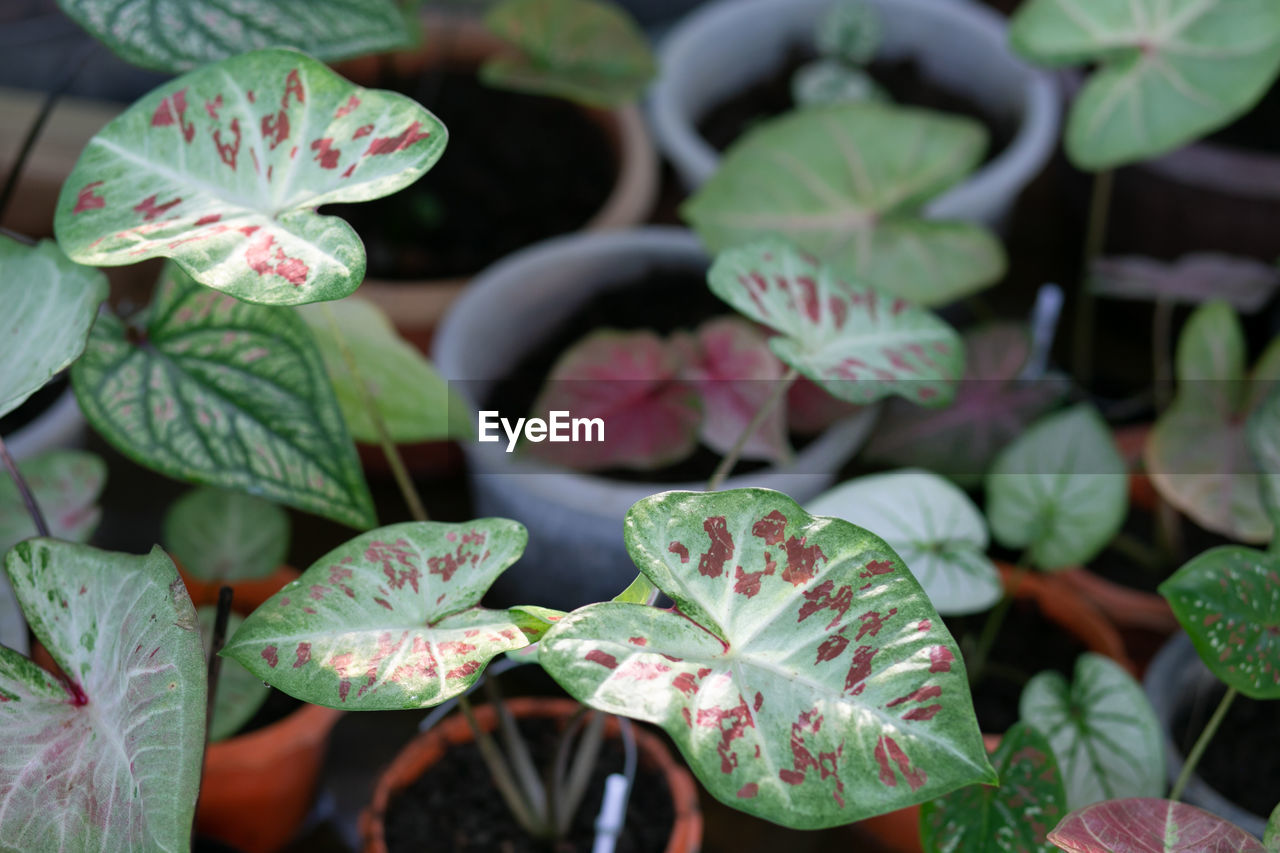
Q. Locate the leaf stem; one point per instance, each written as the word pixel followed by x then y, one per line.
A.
pixel 730 459
pixel 1202 743
pixel 24 489
pixel 392 453
pixel 995 620
pixel 503 779
pixel 1094 242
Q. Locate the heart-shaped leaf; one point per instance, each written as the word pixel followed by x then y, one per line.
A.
pixel 802 673
pixel 391 619
pixel 189 172
pixel 1199 277
pixel 240 692
pixel 934 527
pixel 1228 601
pixel 1198 455
pixel 178 35
pixel 1264 440
pixel 1103 731
pixel 415 402
pixel 587 51
pixel 857 343
pixel 848 183
pixel 1168 73
pixel 1061 490
pixel 211 390
pixel 223 536
pixel 629 383
pixel 1141 825
pixel 1014 817
pixel 109 758
pixel 49 304
pixel 992 407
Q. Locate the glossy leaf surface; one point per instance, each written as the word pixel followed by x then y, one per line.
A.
pixel 240 692
pixel 215 391
pixel 223 169
pixel 221 535
pixel 1150 826
pixel 803 673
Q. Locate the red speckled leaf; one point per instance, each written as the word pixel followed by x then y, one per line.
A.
pixel 223 169
pixel 858 343
pixel 1228 600
pixel 1014 817
pixel 1141 825
pixel 391 619
pixel 802 672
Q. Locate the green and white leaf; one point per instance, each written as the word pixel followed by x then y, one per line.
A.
pixel 1264 440
pixel 108 759
pixel 934 527
pixel 856 342
pixel 210 390
pixel 223 169
pixel 851 30
pixel 391 619
pixel 50 304
pixel 1104 733
pixel 240 692
pixel 223 535
pixel 829 81
pixel 1168 72
pixel 584 50
pixel 414 400
pixel 1228 600
pixel 848 183
pixel 1272 837
pixel 178 35
pixel 1060 490
pixel 803 673
pixel 1013 817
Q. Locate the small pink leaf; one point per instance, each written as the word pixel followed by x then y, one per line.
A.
pixel 810 410
pixel 1142 825
pixel 1199 277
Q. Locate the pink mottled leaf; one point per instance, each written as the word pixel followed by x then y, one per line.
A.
pixel 391 619
pixel 858 343
pixel 1142 825
pixel 1199 277
pixel 223 169
pixel 802 672
pixel 810 410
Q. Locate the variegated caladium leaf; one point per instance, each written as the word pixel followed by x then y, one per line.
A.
pixel 108 756
pixel 992 407
pixel 850 30
pixel 1198 455
pixel 214 391
pixel 1168 73
pixel 223 169
pixel 1060 490
pixel 1013 817
pixel 50 304
pixel 802 672
pixel 847 183
pixel 1272 837
pixel 1195 278
pixel 584 50
pixel 1228 600
pixel 1144 825
pixel 1264 441
pixel 856 342
pixel 392 619
pixel 240 693
pixel 66 485
pixel 829 81
pixel 1103 731
pixel 221 535
pixel 178 35
pixel 630 383
pixel 415 402
pixel 934 527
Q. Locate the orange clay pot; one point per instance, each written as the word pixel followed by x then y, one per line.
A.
pixel 247 596
pixel 428 748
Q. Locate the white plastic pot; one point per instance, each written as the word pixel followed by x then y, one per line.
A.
pixel 575 553
pixel 726 46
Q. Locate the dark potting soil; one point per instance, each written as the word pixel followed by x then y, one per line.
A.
pixel 1122 569
pixel 518 169
pixel 1242 762
pixel 35 406
pixel 453 807
pixel 275 708
pixel 1028 643
pixel 902 79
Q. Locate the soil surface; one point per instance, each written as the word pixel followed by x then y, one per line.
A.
pixel 35 406
pixel 902 79
pixel 548 172
pixel 454 807
pixel 1242 762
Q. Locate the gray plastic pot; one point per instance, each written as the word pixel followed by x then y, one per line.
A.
pixel 576 553
pixel 725 46
pixel 1174 676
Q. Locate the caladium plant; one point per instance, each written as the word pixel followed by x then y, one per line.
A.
pixel 1264 440
pixel 240 693
pixel 847 38
pixel 223 536
pixel 1199 277
pixel 1146 825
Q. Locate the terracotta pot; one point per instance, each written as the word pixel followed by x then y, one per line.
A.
pixel 247 596
pixel 430 747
